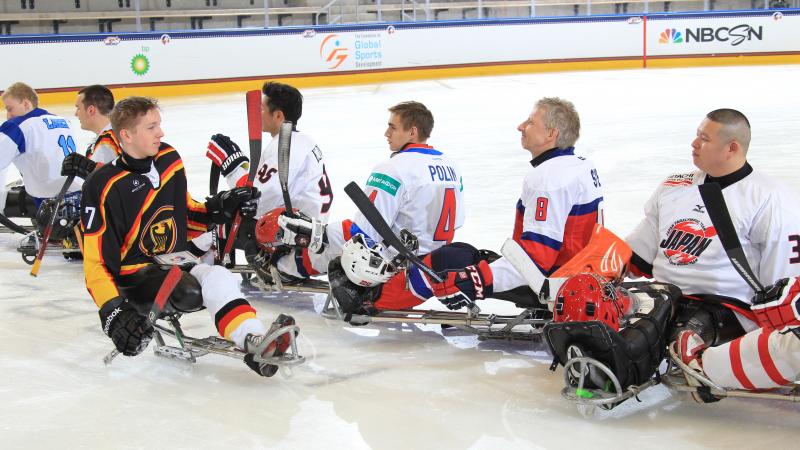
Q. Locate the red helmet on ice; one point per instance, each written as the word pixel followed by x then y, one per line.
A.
pixel 586 297
pixel 267 229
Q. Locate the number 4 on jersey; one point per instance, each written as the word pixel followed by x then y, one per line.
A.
pixel 446 228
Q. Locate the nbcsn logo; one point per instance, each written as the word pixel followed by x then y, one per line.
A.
pixel 670 35
pixel 331 51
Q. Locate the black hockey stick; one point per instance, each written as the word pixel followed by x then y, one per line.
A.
pixel 374 217
pixel 254 133
pixel 167 286
pixel 711 193
pixel 284 147
pixel 16 228
pixel 47 231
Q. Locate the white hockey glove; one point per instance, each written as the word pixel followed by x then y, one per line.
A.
pixel 779 306
pixel 302 231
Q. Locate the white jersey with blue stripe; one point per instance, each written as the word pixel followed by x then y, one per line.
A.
pixel 37 143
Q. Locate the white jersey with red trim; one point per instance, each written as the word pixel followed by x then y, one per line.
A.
pixel 560 204
pixel 309 187
pixel 418 189
pixel 37 143
pixel 678 239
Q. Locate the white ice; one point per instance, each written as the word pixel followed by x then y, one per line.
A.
pixel 396 386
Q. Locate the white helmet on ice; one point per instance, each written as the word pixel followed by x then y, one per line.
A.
pixel 365 265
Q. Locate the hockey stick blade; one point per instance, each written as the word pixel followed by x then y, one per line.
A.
pixel 711 193
pixel 47 231
pixel 284 147
pixel 374 217
pixel 253 99
pixel 167 286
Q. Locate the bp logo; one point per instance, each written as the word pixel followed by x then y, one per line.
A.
pixel 686 240
pixel 332 52
pixel 670 35
pixel 140 65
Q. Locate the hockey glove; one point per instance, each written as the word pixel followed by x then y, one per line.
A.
pixel 222 207
pixel 462 287
pixel 779 306
pixel 129 330
pixel 302 231
pixel 225 154
pixel 78 165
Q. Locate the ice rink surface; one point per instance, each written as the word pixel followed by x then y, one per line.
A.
pixel 393 387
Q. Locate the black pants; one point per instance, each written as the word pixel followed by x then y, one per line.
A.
pixel 141 287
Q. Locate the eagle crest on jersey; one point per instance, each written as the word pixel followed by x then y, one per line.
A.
pixel 160 236
pixel 686 240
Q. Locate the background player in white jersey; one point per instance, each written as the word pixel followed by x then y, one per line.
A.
pixel 309 186
pixel 677 243
pixel 418 189
pixel 93 105
pixel 36 142
pixel 560 204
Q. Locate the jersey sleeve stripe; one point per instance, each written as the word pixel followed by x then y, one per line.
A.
pixel 418 283
pixel 586 208
pixel 132 268
pixel 13 132
pixel 541 239
pixel 520 207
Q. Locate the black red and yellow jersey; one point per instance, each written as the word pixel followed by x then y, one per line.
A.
pixel 132 210
pixel 105 148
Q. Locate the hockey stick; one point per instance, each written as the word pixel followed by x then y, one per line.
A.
pixel 254 132
pixel 16 228
pixel 47 231
pixel 284 147
pixel 374 217
pixel 711 193
pixel 167 286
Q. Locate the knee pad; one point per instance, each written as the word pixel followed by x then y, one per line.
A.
pixel 454 256
pixel 19 203
pixel 188 295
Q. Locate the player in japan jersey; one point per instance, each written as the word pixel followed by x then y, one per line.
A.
pixel 309 186
pixel 92 108
pixel 138 207
pixel 677 243
pixel 418 189
pixel 36 142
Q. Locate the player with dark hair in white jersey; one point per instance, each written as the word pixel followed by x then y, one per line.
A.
pixel 677 243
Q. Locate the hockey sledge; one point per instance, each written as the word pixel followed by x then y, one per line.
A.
pixel 188 348
pixel 527 325
pixel 675 379
pixel 29 247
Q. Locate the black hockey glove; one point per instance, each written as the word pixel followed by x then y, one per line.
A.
pixel 129 330
pixel 225 154
pixel 223 206
pixel 78 165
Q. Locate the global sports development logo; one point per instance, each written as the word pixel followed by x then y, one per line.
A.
pixel 332 52
pixel 670 36
pixel 686 240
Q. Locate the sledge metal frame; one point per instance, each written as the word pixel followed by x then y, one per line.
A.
pixel 675 379
pixel 190 348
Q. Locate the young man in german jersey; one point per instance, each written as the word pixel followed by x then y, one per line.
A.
pixel 37 142
pixel 677 243
pixel 93 106
pixel 138 207
pixel 418 189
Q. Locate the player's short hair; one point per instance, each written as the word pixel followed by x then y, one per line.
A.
pixel 98 96
pixel 21 91
pixel 286 98
pixel 414 114
pixel 735 126
pixel 126 113
pixel 560 114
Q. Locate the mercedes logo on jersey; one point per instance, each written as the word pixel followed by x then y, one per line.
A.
pixel 686 240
